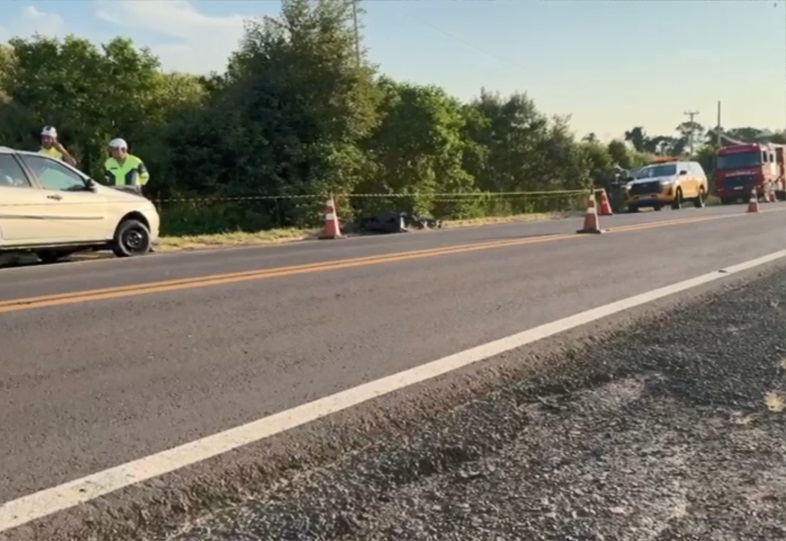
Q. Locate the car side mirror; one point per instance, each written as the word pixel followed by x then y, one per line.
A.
pixel 683 172
pixel 90 184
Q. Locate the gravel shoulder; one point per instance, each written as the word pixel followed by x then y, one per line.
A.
pixel 669 432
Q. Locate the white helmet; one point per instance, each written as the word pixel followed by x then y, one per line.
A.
pixel 49 131
pixel 118 143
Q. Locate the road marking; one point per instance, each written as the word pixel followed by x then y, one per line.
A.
pixel 46 502
pixel 220 279
pixel 46 301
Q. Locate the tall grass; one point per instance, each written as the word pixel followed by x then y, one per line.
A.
pixel 187 217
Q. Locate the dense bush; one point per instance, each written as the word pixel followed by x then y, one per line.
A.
pixel 294 114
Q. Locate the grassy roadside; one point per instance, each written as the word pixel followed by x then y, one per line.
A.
pixel 278 236
pixel 237 238
pixel 171 244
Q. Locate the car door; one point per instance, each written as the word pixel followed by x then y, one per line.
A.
pixel 689 184
pixel 76 212
pixel 701 177
pixel 22 206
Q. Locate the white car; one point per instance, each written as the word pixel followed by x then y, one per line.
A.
pixel 53 210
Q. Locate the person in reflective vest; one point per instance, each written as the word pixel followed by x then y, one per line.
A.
pixel 124 169
pixel 51 147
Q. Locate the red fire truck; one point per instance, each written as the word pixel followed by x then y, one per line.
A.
pixel 741 167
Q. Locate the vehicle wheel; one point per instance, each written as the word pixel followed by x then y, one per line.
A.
pixel 701 200
pixel 677 204
pixel 633 208
pixel 657 207
pixel 132 238
pixel 51 256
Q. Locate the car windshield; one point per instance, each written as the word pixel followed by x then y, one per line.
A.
pixel 739 160
pixel 655 171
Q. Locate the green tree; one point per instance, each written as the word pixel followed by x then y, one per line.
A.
pixel 297 113
pixel 620 154
pixel 418 146
pixel 304 102
pixel 688 132
pixel 747 134
pixel 90 94
pixel 637 136
pixel 778 138
pixel 510 129
pixel 598 163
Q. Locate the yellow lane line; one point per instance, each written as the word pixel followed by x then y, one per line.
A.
pixel 204 281
pixel 15 305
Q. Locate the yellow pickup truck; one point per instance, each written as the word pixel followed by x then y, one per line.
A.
pixel 669 183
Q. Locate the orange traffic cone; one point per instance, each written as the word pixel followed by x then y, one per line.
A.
pixel 331 230
pixel 605 206
pixel 591 220
pixel 753 203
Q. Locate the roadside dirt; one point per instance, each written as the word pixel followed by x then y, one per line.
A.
pixel 672 432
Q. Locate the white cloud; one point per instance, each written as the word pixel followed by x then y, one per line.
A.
pixel 186 39
pixel 29 21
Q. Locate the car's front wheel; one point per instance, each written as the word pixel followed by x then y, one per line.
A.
pixel 677 203
pixel 132 238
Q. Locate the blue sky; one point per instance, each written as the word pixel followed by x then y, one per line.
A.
pixel 610 64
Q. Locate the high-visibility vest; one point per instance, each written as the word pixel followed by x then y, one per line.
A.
pixel 132 172
pixel 52 152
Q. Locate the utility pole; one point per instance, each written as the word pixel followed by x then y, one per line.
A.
pixel 690 115
pixel 718 135
pixel 357 31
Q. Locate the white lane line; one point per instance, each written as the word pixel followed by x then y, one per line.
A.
pixel 46 502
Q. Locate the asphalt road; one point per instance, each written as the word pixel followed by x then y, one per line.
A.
pixel 92 383
pixel 674 442
pixel 36 280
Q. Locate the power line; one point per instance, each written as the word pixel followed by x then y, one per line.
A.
pixel 357 30
pixel 691 115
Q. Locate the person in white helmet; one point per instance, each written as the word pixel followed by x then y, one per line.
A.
pixel 124 169
pixel 54 148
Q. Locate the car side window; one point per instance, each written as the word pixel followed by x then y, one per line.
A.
pixel 53 175
pixel 11 173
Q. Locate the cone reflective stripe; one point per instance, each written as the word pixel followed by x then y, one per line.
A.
pixel 753 203
pixel 591 220
pixel 605 206
pixel 331 230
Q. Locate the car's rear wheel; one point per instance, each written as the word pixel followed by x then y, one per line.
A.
pixel 700 201
pixel 132 239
